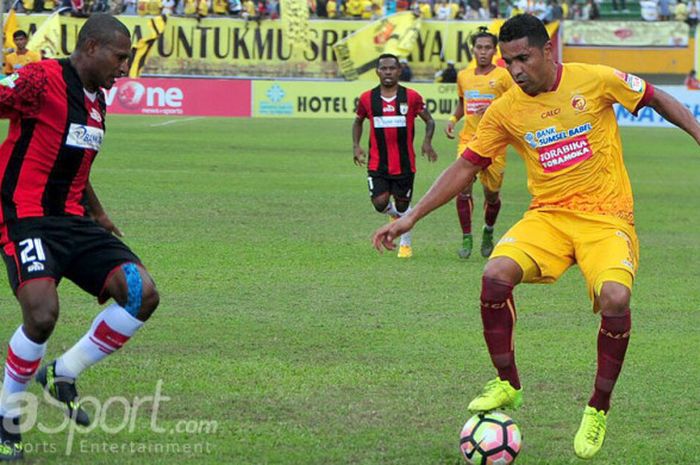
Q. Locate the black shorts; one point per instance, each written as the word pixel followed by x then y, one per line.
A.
pixel 399 188
pixel 55 247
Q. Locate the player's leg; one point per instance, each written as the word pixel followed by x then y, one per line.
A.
pixel 465 206
pixel 110 270
pixel 402 192
pixel 492 180
pixel 531 251
pixel 608 258
pixel 31 271
pixel 380 196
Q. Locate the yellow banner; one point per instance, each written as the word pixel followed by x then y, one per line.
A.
pixel 47 37
pixel 357 54
pixel 140 50
pixel 295 24
pixel 337 99
pixel 233 47
pixel 10 28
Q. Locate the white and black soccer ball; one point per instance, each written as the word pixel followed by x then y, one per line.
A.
pixel 490 439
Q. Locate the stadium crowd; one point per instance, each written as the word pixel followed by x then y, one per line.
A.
pixel 546 10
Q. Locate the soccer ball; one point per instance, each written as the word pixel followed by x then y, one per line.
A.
pixel 490 439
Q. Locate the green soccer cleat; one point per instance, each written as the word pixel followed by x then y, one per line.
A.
pixel 591 434
pixel 467 244
pixel 11 447
pixel 497 394
pixel 64 390
pixel 486 243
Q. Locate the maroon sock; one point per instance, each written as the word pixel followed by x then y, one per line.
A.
pixel 465 206
pixel 498 316
pixel 613 337
pixel 491 212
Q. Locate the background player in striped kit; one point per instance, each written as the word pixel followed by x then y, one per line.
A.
pixel 391 110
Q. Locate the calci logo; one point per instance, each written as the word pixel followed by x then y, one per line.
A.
pixel 145 98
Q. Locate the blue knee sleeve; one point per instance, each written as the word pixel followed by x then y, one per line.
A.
pixel 134 286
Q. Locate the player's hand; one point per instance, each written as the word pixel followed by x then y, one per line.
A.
pixel 104 221
pixel 384 237
pixel 359 156
pixel 450 130
pixel 428 151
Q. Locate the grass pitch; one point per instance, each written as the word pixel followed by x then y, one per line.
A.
pixel 284 338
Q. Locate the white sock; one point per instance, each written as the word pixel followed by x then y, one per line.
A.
pixel 391 210
pixel 23 359
pixel 109 332
pixel 405 237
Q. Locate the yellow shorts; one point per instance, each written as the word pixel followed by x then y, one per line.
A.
pixel 605 248
pixel 492 176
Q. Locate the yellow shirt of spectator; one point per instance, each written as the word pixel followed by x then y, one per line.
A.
pixel 13 61
pixel 366 9
pixel 568 138
pixel 354 8
pixel 219 7
pixel 332 9
pixel 425 11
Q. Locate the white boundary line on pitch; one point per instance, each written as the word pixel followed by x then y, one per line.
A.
pixel 173 121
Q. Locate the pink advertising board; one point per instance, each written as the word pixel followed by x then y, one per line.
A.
pixel 180 97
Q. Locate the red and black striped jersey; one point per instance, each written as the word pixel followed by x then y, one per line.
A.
pixel 56 130
pixel 391 130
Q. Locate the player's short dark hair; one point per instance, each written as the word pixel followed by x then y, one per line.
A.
pixel 524 25
pixel 101 27
pixel 388 55
pixel 483 31
pixel 19 33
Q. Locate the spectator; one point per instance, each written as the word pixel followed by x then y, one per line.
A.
pixel 403 5
pixel 406 73
pixel 664 10
pixel 493 9
pixel 22 55
pixel 447 75
pixel 168 7
pixel 692 14
pixel 234 7
pixel 622 4
pixel 129 7
pixel 591 10
pixel 425 10
pixel 332 9
pixel 554 11
pixel 691 82
pixel 681 11
pixel 391 7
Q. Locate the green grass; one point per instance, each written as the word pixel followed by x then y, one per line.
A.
pixel 281 323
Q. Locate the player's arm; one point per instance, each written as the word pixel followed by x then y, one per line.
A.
pixel 358 154
pixel 23 92
pixel 456 116
pixel 675 112
pixel 427 147
pixel 98 213
pixel 452 181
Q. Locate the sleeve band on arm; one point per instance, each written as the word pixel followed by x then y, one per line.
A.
pixel 473 157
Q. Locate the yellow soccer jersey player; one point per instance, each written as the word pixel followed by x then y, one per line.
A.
pixel 561 121
pixel 477 88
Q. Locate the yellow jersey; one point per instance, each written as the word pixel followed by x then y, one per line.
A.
pixel 13 61
pixel 568 138
pixel 478 91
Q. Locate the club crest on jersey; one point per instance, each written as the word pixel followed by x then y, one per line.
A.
pixel 403 108
pixel 84 137
pixel 578 102
pixel 95 115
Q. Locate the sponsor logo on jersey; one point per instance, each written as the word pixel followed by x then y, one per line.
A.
pixel 94 114
pixel 550 113
pixel 550 135
pixel 635 83
pixel 9 81
pixel 84 137
pixel 35 266
pixel 563 154
pixel 389 121
pixel 388 109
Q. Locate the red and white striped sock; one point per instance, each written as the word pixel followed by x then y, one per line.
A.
pixel 23 359
pixel 108 333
